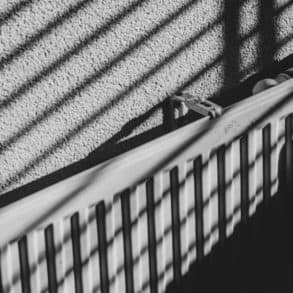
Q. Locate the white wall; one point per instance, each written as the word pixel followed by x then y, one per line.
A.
pixel 73 72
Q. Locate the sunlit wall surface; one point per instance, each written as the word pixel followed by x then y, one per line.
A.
pixel 73 73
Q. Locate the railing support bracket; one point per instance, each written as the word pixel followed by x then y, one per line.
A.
pixel 199 105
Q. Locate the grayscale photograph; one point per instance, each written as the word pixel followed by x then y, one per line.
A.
pixel 146 146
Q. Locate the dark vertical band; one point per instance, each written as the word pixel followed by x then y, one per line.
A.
pixel 102 240
pixel 222 193
pixel 77 264
pixel 128 256
pixel 199 208
pixel 175 223
pixel 152 235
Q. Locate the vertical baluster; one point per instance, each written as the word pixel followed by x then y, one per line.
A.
pixel 259 167
pixel 139 237
pixel 233 186
pixel 199 229
pixel 37 261
pixel 187 214
pixel 222 193
pixel 127 241
pixel 255 173
pixel 163 220
pixel 277 141
pixel 64 256
pixel 152 249
pixel 77 263
pixel 115 248
pixel 51 249
pixel 210 201
pixel 244 178
pixel 175 212
pixel 102 242
pixel 24 264
pixel 10 268
pixel 288 150
pixel 266 162
pixel 89 250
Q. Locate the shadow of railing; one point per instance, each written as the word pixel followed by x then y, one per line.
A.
pixel 16 8
pixel 211 271
pixel 70 95
pixel 114 146
pixel 96 35
pixel 94 116
pixel 37 36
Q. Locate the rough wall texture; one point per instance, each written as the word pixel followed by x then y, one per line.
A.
pixel 74 72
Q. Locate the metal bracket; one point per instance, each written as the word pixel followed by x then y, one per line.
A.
pixel 199 105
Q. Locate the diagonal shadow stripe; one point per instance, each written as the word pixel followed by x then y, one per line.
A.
pixel 275 13
pixel 284 7
pixel 59 143
pixel 285 41
pixel 46 71
pixel 251 33
pixel 88 81
pixel 279 46
pixel 5 16
pixel 94 116
pixel 120 57
pixel 71 95
pixel 36 37
pixel 21 90
pixel 119 97
pixel 72 134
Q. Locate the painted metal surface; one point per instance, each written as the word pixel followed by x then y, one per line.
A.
pixel 135 223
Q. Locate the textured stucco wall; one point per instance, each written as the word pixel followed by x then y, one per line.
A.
pixel 73 73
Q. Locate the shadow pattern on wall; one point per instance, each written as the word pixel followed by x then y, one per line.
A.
pixel 230 19
pixel 229 263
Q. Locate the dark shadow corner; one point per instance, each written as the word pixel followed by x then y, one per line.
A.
pixel 258 257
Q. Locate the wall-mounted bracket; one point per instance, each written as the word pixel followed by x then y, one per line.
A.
pixel 199 105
